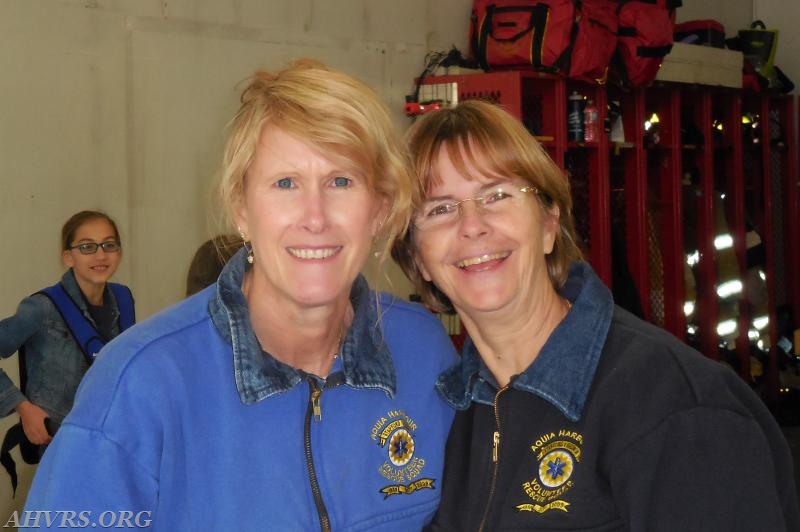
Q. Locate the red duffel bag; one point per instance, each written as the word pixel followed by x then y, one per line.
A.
pixel 573 38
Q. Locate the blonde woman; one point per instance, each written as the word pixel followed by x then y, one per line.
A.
pixel 287 395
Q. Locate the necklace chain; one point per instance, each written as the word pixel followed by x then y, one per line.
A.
pixel 338 349
pixel 340 341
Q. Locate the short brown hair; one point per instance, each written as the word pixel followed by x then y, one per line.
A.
pixel 75 221
pixel 208 261
pixel 493 141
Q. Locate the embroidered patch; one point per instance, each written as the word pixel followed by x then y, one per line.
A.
pixel 557 455
pixel 401 448
pixel 395 433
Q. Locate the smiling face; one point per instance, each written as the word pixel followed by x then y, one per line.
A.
pixel 487 259
pixel 309 220
pixel 92 271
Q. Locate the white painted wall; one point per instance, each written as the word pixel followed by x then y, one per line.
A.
pixel 732 14
pixel 735 15
pixel 783 15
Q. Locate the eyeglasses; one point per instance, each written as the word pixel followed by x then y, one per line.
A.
pixel 90 248
pixel 497 199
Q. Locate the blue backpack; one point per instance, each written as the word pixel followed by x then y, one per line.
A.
pixel 90 343
pixel 82 330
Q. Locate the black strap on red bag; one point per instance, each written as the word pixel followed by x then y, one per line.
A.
pixel 513 35
pixel 573 38
pixel 645 36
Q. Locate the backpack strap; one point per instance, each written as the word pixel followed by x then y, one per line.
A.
pixel 90 343
pixel 15 436
pixel 127 309
pixel 23 369
pixel 83 331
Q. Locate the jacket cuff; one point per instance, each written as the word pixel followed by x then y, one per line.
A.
pixel 10 396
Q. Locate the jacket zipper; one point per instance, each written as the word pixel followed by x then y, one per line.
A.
pixel 314 412
pixel 315 409
pixel 495 455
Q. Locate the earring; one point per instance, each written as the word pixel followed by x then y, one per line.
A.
pixel 380 223
pixel 250 258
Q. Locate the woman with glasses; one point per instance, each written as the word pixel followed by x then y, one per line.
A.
pixel 59 330
pixel 287 395
pixel 574 414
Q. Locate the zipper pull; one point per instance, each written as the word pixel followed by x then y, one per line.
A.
pixel 495 446
pixel 315 403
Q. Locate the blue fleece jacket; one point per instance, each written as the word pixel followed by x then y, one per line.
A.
pixel 184 422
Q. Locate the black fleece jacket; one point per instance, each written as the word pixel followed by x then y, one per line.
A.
pixel 664 440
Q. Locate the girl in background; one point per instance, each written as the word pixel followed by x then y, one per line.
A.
pixel 59 329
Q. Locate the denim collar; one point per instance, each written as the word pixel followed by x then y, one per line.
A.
pixel 70 284
pixel 563 371
pixel 365 360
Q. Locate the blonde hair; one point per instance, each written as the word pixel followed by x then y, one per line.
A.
pixel 485 137
pixel 337 115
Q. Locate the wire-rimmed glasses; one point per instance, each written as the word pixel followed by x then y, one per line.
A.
pixel 437 213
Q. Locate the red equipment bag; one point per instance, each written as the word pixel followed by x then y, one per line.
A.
pixel 573 38
pixel 645 36
pixel 701 32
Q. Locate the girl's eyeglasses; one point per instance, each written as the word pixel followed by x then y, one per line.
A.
pixel 90 248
